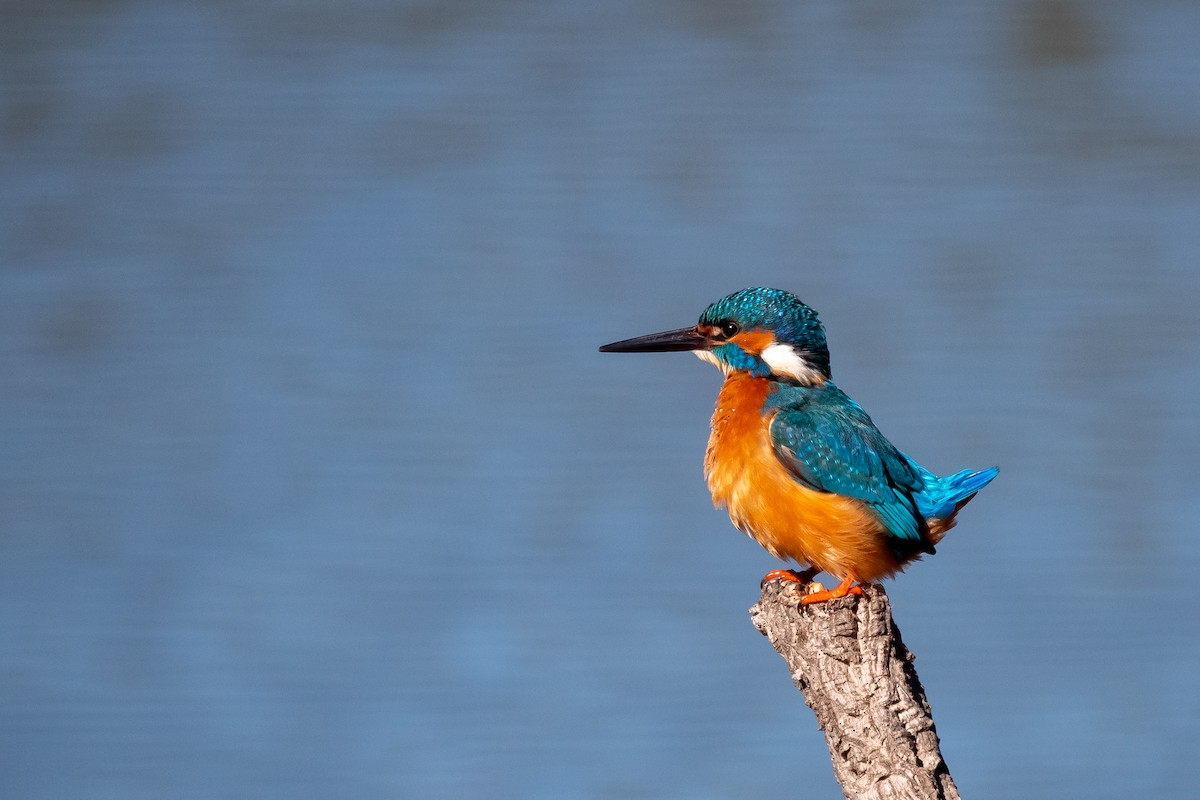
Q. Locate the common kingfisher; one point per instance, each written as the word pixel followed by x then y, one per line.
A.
pixel 798 464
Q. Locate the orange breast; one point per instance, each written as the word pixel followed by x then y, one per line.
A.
pixel 836 534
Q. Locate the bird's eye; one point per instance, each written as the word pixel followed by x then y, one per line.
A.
pixel 729 329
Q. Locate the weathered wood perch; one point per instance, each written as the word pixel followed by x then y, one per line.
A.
pixel 847 657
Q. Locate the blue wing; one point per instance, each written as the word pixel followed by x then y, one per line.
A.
pixel 829 443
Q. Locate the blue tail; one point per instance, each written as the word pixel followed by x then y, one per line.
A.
pixel 942 497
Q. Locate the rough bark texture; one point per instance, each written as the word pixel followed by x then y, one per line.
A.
pixel 847 657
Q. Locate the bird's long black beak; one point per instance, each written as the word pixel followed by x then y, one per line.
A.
pixel 682 339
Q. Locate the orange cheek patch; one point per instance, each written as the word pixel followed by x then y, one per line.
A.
pixel 754 342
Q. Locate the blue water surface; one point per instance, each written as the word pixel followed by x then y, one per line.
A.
pixel 313 484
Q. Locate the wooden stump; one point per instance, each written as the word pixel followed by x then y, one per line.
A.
pixel 848 659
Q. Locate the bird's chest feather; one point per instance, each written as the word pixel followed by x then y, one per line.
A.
pixel 835 533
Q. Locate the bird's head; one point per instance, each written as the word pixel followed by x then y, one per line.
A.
pixel 765 332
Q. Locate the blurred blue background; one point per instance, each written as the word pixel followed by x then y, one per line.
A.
pixel 313 484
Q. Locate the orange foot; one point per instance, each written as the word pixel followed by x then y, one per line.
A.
pixel 841 590
pixel 790 575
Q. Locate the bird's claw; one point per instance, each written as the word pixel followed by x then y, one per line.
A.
pixel 841 590
pixel 789 575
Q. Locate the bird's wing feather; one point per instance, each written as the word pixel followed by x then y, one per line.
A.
pixel 834 447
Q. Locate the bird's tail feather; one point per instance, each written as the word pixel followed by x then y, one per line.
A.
pixel 943 497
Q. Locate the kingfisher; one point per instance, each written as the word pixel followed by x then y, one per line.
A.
pixel 800 466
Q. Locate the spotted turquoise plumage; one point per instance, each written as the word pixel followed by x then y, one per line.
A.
pixel 829 443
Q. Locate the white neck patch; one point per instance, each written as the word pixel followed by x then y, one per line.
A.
pixel 706 355
pixel 785 361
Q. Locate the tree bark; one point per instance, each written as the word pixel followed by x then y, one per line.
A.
pixel 847 658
